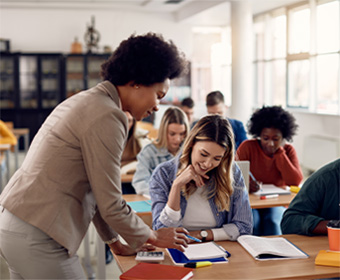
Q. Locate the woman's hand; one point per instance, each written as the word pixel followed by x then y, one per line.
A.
pixel 254 186
pixel 169 238
pixel 188 175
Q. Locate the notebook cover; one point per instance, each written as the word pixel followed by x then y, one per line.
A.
pixel 140 206
pixel 328 258
pixel 144 270
pixel 179 258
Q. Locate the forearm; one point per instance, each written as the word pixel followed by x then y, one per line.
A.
pixel 175 197
pixel 289 168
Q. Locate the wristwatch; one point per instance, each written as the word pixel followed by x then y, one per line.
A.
pixel 204 235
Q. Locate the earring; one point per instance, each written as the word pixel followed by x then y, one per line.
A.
pixel 136 86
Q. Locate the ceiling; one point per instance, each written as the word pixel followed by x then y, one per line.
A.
pixel 203 12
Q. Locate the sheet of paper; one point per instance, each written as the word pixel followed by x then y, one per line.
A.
pixel 204 251
pixel 272 189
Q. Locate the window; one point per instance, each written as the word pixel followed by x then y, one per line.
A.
pixel 270 63
pixel 211 63
pixel 306 74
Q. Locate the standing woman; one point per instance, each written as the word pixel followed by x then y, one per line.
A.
pixel 203 189
pixel 71 174
pixel 172 132
pixel 272 160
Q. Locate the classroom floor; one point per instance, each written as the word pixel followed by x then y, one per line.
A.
pixel 112 270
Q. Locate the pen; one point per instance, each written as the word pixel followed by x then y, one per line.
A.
pixel 193 238
pixel 197 264
pixel 252 176
pixel 269 196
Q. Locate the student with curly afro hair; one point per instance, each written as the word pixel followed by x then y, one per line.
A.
pixel 272 160
pixel 71 175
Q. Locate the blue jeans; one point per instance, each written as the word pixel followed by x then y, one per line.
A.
pixel 267 221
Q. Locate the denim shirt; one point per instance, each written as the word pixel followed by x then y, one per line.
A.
pixel 237 221
pixel 147 160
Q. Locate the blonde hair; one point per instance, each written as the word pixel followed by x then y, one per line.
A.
pixel 216 129
pixel 171 115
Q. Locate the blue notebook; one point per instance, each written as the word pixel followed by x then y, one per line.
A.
pixel 140 206
pixel 179 258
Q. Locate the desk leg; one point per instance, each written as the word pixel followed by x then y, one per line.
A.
pixel 26 140
pixel 1 178
pixel 101 258
pixel 8 173
pixel 16 156
pixel 87 259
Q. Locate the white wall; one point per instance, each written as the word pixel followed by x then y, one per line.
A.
pixel 315 124
pixel 45 30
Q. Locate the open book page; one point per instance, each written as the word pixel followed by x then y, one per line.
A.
pixel 268 189
pixel 270 248
pixel 204 251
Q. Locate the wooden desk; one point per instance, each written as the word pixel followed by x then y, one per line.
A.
pixel 282 200
pixel 243 266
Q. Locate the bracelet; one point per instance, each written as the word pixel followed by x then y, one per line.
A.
pixel 113 240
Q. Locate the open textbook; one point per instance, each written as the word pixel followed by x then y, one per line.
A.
pixel 265 248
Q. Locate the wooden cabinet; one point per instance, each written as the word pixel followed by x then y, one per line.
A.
pixel 82 71
pixel 9 80
pixel 33 84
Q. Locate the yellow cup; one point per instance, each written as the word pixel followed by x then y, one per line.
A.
pixel 334 238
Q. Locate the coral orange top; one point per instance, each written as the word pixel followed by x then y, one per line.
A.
pixel 281 169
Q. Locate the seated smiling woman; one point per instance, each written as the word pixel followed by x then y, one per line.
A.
pixel 203 189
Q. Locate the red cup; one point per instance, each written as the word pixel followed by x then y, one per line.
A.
pixel 334 238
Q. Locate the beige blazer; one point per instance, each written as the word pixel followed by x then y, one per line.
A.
pixel 71 174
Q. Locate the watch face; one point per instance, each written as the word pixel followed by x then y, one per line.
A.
pixel 204 233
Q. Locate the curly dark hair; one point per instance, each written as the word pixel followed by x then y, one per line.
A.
pixel 272 117
pixel 145 60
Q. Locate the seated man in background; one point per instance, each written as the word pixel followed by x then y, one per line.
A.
pixel 215 105
pixel 315 204
pixel 187 105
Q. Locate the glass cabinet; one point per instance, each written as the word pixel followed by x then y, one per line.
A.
pixel 33 84
pixel 40 80
pixel 8 80
pixel 28 81
pixel 51 85
pixel 82 71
